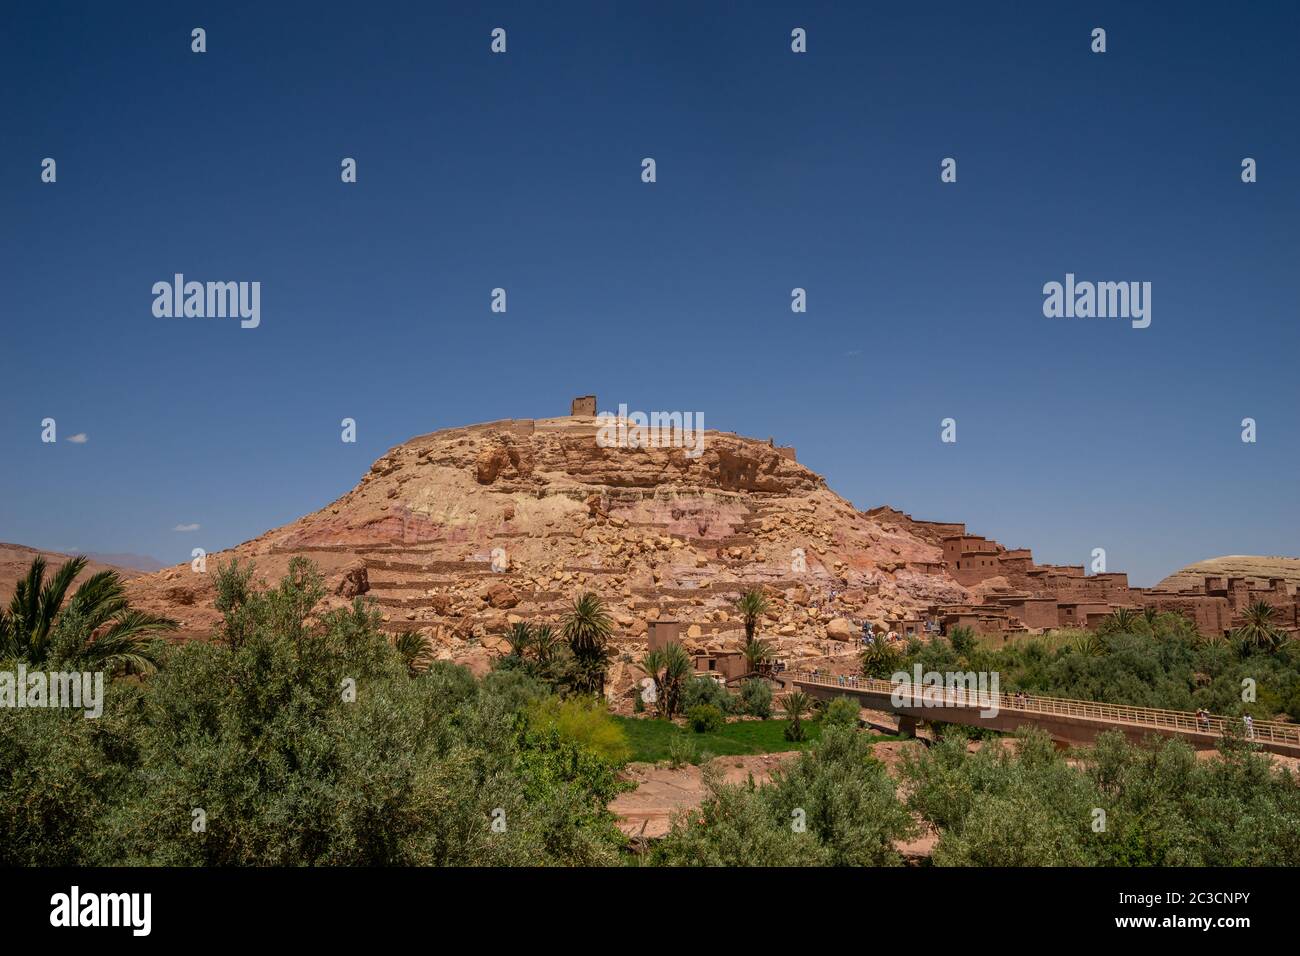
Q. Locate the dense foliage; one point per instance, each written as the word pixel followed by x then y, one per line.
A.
pixel 1118 805
pixel 835 805
pixel 300 740
pixel 301 737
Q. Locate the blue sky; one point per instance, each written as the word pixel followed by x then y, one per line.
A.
pixel 775 170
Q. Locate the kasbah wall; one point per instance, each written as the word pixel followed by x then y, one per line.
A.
pixel 1030 597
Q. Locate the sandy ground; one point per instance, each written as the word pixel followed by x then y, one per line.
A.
pixel 661 790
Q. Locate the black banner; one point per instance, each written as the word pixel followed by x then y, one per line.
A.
pixel 528 906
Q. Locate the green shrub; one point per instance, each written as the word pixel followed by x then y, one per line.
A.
pixel 585 722
pixel 795 704
pixel 845 798
pixel 962 640
pixel 681 751
pixel 841 712
pixel 705 690
pixel 705 718
pixel 756 698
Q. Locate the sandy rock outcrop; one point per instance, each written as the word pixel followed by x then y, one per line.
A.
pixel 460 533
pixel 1257 568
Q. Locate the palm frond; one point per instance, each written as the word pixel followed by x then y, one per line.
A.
pixel 51 598
pixel 416 650
pixel 100 598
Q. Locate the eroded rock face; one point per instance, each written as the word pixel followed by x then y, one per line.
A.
pixel 460 533
pixel 181 595
pixel 503 456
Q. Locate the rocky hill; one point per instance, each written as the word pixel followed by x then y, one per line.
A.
pixel 656 533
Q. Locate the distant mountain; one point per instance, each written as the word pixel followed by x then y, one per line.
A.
pixel 138 562
pixel 15 559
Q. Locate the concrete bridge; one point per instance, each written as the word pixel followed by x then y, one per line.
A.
pixel 1065 721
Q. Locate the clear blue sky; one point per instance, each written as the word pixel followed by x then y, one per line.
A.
pixel 775 170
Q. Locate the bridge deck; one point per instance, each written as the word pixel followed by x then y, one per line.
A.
pixel 1277 735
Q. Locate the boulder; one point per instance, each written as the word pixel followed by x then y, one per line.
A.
pixel 841 629
pixel 501 595
pixel 355 581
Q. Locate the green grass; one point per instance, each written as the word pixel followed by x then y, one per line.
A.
pixel 649 738
pixel 1058 638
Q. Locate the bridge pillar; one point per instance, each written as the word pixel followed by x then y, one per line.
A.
pixel 906 725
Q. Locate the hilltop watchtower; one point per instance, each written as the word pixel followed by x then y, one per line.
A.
pixel 583 407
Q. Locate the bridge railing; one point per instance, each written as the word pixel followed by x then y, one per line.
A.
pixel 1272 731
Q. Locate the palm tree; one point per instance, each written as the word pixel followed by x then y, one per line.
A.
pixel 653 664
pixel 545 643
pixel 880 660
pixel 669 667
pixel 96 628
pixel 1150 615
pixel 1089 645
pixel 1122 620
pixel 520 638
pixel 1258 631
pixel 587 628
pixel 1213 639
pixel 678 668
pixel 752 606
pixel 756 654
pixel 796 704
pixel 416 651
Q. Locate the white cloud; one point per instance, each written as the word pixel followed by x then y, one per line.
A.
pixel 186 527
pixel 78 439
